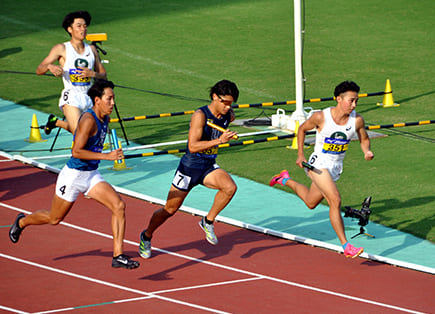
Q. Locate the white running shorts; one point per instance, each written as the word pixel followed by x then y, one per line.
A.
pixel 71 182
pixel 75 99
pixel 335 168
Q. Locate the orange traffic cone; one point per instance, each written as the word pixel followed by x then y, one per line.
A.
pixel 35 134
pixel 388 97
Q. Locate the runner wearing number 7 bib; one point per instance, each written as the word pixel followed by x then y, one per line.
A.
pixel 198 165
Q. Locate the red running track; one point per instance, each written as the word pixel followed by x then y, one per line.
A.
pixel 68 267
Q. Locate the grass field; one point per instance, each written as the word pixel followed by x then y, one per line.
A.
pixel 172 51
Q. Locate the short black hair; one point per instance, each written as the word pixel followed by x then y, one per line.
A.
pixel 70 17
pixel 345 87
pixel 225 87
pixel 97 89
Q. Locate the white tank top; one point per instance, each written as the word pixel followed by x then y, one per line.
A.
pixel 73 60
pixel 333 140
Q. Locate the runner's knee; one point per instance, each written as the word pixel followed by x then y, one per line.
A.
pixel 311 205
pixel 169 211
pixel 229 189
pixel 119 208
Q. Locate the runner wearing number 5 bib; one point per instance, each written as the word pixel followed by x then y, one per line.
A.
pixel 335 127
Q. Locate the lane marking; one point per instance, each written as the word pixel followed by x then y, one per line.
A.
pixel 12 310
pixel 146 297
pixel 290 283
pixel 106 283
pixel 207 285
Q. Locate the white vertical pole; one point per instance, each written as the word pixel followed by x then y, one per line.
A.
pixel 299 114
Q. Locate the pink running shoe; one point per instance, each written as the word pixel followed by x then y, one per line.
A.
pixel 352 251
pixel 279 177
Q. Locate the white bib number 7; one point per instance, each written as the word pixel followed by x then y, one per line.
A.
pixel 181 181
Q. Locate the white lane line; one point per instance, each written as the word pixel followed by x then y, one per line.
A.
pixel 12 310
pixel 105 283
pixel 290 283
pixel 146 297
pixel 230 282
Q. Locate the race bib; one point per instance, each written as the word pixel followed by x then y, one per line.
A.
pixel 76 80
pixel 209 153
pixel 181 181
pixel 335 146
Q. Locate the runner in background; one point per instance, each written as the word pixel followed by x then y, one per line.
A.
pixel 77 63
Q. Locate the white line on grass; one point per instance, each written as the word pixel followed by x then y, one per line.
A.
pixel 286 282
pixel 169 67
pixel 182 71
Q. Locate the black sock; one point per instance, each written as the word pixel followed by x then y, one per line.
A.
pixel 208 221
pixel 145 237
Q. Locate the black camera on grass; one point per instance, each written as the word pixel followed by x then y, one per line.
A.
pixel 363 214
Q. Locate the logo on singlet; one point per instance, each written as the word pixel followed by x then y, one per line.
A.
pixel 339 135
pixel 74 74
pixel 82 63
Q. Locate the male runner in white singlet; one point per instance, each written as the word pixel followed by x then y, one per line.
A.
pixel 79 63
pixel 335 127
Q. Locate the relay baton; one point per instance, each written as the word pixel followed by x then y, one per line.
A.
pixel 221 129
pixel 115 143
pixel 308 166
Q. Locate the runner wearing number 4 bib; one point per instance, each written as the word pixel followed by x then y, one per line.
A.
pixel 80 175
pixel 335 128
pixel 198 165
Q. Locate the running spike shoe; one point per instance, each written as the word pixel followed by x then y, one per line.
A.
pixel 145 246
pixel 209 231
pixel 15 231
pixel 279 177
pixel 51 124
pixel 351 251
pixel 123 261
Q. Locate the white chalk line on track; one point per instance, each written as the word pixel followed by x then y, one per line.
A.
pixel 146 297
pixel 237 223
pixel 230 268
pixel 11 309
pixel 105 283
